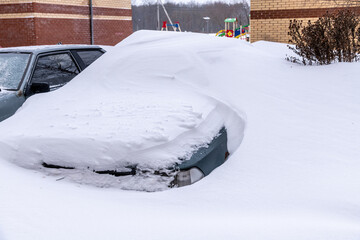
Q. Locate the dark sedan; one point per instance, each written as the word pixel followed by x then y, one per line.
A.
pixel 25 71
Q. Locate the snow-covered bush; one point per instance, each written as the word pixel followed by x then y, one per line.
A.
pixel 333 37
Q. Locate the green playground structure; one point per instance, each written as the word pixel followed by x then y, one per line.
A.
pixel 237 31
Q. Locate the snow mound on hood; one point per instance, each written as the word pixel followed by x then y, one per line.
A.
pixel 131 107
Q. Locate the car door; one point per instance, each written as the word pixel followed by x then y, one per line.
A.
pixel 54 70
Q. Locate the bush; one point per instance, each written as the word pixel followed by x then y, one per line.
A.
pixel 333 37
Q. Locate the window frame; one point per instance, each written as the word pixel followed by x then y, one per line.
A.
pixel 49 54
pixel 79 59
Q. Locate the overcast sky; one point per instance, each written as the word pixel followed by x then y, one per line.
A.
pixel 137 2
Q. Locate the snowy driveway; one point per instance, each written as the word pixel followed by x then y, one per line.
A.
pixel 294 176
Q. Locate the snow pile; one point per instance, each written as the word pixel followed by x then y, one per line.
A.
pixel 294 176
pixel 120 112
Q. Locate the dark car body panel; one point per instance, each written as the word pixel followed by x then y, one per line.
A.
pixel 207 158
pixel 9 103
pixel 12 100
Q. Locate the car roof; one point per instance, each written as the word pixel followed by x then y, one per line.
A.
pixel 48 48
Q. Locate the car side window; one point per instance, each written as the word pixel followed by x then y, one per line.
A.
pixel 89 56
pixel 55 70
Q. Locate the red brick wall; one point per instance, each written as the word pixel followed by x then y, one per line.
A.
pixel 67 31
pixel 40 24
pixel 110 32
pixel 77 31
pixel 297 13
pixel 17 32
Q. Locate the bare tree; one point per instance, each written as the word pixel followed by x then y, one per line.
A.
pixel 191 15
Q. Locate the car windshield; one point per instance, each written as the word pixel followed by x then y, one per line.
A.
pixel 12 68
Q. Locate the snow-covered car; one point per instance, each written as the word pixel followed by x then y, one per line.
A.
pixel 25 71
pixel 124 122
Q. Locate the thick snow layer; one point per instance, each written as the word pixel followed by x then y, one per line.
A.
pixel 118 113
pixel 294 176
pixel 102 129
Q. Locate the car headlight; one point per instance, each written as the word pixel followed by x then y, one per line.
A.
pixel 188 177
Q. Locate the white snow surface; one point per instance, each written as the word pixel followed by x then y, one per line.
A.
pixel 118 113
pixel 294 176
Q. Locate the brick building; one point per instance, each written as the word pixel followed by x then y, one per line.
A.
pixel 270 19
pixel 42 22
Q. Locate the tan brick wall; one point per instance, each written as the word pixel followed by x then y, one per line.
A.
pixel 270 18
pixel 68 16
pixel 294 4
pixel 96 3
pixel 274 30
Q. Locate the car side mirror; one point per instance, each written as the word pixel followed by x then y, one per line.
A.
pixel 40 87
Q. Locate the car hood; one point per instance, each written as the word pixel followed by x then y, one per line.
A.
pixel 150 128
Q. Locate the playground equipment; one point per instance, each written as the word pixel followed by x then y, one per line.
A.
pixel 240 32
pixel 175 26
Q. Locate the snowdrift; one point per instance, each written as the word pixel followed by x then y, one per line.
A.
pixel 294 176
pixel 121 112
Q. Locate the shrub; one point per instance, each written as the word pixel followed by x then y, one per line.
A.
pixel 333 37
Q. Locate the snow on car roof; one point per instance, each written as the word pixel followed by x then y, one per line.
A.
pixel 127 108
pixel 46 48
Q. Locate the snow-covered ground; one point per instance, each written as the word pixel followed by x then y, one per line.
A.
pixel 294 176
